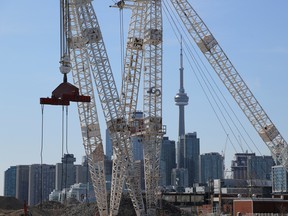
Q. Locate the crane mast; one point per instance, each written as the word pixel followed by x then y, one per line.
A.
pixel 132 74
pixel 152 101
pixel 233 81
pixel 133 60
pixel 145 43
pixel 94 53
pixel 88 116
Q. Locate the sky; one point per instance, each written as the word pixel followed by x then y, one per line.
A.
pixel 253 34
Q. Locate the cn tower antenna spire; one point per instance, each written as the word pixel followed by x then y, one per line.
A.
pixel 181 68
pixel 181 100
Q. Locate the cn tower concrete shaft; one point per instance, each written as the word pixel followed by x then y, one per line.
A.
pixel 181 100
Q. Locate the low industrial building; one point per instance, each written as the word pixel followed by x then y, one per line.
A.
pixel 248 206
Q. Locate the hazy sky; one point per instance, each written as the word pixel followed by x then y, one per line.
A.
pixel 254 35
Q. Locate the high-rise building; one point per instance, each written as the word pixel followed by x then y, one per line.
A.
pixel 211 167
pixel 168 160
pixel 109 149
pixel 181 100
pixel 249 166
pixel 137 148
pixel 179 178
pixel 10 182
pixel 41 183
pixel 137 126
pixel 139 168
pixel 65 172
pixel 279 179
pixel 108 163
pixel 260 167
pixel 163 177
pixel 191 157
pixel 22 182
pixel 239 165
pixel 82 172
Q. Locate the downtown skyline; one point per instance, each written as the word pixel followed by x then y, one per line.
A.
pixel 255 41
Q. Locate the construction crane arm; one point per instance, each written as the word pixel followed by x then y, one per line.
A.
pixel 89 42
pixel 133 60
pixel 152 100
pixel 233 81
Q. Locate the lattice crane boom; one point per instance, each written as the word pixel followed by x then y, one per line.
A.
pixel 94 52
pixel 88 116
pixel 152 100
pixel 145 43
pixel 132 74
pixel 233 81
pixel 133 60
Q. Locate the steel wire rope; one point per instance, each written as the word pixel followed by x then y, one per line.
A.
pixel 201 85
pixel 217 95
pixel 206 82
pixel 62 153
pixel 195 61
pixel 68 27
pixel 231 109
pixel 224 98
pixel 221 102
pixel 217 103
pixel 199 71
pixel 41 154
pixel 67 130
pixel 256 174
pixel 121 26
pixel 61 27
pixel 63 144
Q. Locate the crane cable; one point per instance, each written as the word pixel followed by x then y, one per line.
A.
pixel 176 32
pixel 204 77
pixel 41 153
pixel 64 142
pixel 65 130
pixel 121 43
pixel 61 27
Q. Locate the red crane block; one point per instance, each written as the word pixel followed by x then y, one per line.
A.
pixel 63 94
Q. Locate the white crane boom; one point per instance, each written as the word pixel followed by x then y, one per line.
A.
pixel 88 116
pixel 87 41
pixel 152 101
pixel 133 60
pixel 233 81
pixel 145 42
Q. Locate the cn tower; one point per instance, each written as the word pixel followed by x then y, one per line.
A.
pixel 181 100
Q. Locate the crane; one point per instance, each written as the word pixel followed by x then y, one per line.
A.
pixel 152 100
pixel 233 81
pixel 95 54
pixel 144 43
pixel 133 60
pixel 88 116
pixel 83 51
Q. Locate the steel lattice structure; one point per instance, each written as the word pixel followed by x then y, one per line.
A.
pixel 83 44
pixel 233 81
pixel 90 54
pixel 152 105
pixel 88 112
